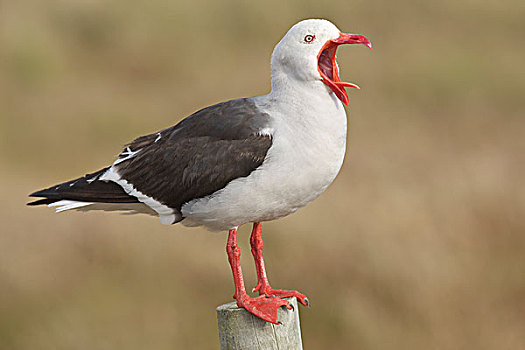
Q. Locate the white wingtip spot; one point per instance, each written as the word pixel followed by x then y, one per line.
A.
pixel 125 155
pixel 265 132
pixel 92 179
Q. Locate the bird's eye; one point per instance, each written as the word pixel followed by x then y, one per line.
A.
pixel 309 38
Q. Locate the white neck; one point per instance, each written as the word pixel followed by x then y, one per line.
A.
pixel 301 96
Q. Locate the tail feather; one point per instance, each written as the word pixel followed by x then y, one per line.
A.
pixel 65 204
pixel 84 189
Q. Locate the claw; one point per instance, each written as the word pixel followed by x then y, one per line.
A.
pixel 285 294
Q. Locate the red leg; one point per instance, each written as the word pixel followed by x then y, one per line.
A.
pixel 262 306
pixel 263 286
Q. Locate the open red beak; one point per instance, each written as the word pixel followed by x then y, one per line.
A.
pixel 327 66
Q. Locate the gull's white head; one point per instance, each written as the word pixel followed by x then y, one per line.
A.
pixel 307 53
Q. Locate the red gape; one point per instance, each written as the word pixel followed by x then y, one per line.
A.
pixel 263 306
pixel 263 286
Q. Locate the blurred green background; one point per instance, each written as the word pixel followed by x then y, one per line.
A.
pixel 419 243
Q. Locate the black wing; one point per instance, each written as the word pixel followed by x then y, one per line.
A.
pixel 198 156
pixel 195 158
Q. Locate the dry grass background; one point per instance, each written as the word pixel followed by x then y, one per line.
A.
pixel 419 243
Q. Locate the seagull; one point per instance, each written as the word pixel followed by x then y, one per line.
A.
pixel 247 160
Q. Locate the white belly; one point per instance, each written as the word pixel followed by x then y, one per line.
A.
pixel 303 160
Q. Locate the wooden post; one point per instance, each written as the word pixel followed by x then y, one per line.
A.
pixel 240 330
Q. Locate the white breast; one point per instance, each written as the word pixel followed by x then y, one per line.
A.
pixel 309 136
